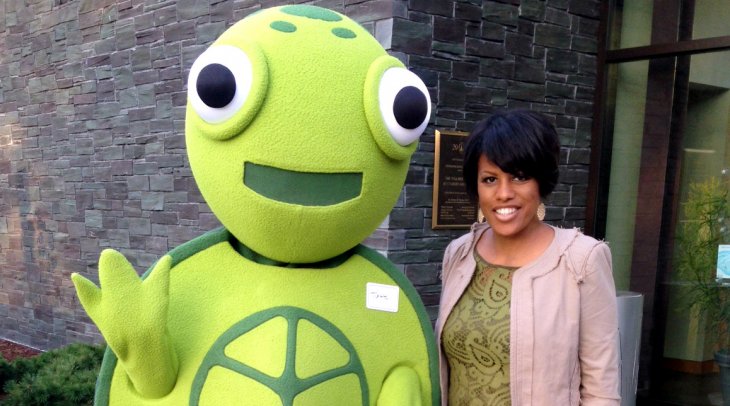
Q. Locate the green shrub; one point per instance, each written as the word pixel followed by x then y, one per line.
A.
pixel 6 371
pixel 66 376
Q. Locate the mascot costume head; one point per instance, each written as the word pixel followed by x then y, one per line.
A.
pixel 299 130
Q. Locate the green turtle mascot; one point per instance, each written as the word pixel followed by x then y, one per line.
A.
pixel 299 130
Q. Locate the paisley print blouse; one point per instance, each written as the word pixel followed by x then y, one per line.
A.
pixel 476 339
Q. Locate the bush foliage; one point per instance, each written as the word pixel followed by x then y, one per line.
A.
pixel 66 376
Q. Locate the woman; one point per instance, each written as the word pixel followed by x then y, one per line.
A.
pixel 528 311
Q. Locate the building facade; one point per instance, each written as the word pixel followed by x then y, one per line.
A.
pixel 92 150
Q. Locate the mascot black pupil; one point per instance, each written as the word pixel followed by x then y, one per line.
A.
pixel 216 85
pixel 410 107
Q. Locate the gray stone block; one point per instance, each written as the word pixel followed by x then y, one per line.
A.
pixel 161 183
pixel 180 31
pixel 466 71
pixel 110 153
pixel 587 65
pixel 118 238
pixel 559 4
pixel 139 226
pixel 575 214
pixel 411 37
pixel 586 8
pixel 557 17
pixel 436 7
pixel 503 14
pixel 138 182
pixel 104 110
pixel 587 26
pixel 93 218
pixel 560 91
pixel 146 77
pixel 585 93
pixel 468 12
pixel 423 274
pixel 519 44
pixel 567 123
pixel 573 176
pixel 497 68
pixel 166 161
pixel 530 70
pixel 190 9
pixel 586 78
pixel 408 257
pixel 579 108
pixel 406 218
pixel 430 63
pixel 532 9
pixel 427 243
pixel 452 93
pixel 584 44
pixel 418 196
pixel 527 92
pixel 72 175
pixel 448 30
pixel 579 195
pixel 561 61
pixel 478 95
pixel 487 49
pixel 447 50
pixel 153 201
pixel 552 36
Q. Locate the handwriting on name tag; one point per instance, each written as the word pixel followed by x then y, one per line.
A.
pixel 381 297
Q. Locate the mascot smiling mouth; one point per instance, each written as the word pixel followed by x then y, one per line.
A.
pixel 302 188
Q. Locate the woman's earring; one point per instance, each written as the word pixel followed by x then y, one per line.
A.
pixel 480 216
pixel 541 212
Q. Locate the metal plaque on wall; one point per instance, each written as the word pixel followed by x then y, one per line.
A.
pixel 452 207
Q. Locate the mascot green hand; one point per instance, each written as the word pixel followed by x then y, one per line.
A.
pixel 299 131
pixel 144 304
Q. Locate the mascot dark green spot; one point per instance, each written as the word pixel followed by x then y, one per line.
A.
pixel 299 130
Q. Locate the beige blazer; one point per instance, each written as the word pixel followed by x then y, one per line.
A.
pixel 563 321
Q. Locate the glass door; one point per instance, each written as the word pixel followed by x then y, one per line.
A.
pixel 661 137
pixel 690 336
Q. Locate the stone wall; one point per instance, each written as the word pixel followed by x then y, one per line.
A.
pixel 92 103
pixel 480 56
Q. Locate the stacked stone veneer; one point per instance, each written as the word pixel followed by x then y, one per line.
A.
pixel 477 56
pixel 92 106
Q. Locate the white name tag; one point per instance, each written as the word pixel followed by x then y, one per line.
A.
pixel 381 297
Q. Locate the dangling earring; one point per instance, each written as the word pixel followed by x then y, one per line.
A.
pixel 541 212
pixel 480 216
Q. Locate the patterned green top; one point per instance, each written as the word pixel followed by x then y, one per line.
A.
pixel 476 339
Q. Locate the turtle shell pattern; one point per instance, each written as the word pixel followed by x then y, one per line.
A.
pixel 252 334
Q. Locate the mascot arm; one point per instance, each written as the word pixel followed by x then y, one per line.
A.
pixel 401 388
pixel 131 314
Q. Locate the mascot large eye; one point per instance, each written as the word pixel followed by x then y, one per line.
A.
pixel 220 82
pixel 404 104
pixel 397 106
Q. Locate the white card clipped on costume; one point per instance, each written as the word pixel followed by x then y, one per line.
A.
pixel 381 297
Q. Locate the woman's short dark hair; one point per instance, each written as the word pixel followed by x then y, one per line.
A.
pixel 519 142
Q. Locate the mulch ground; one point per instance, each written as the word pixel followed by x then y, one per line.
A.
pixel 11 350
